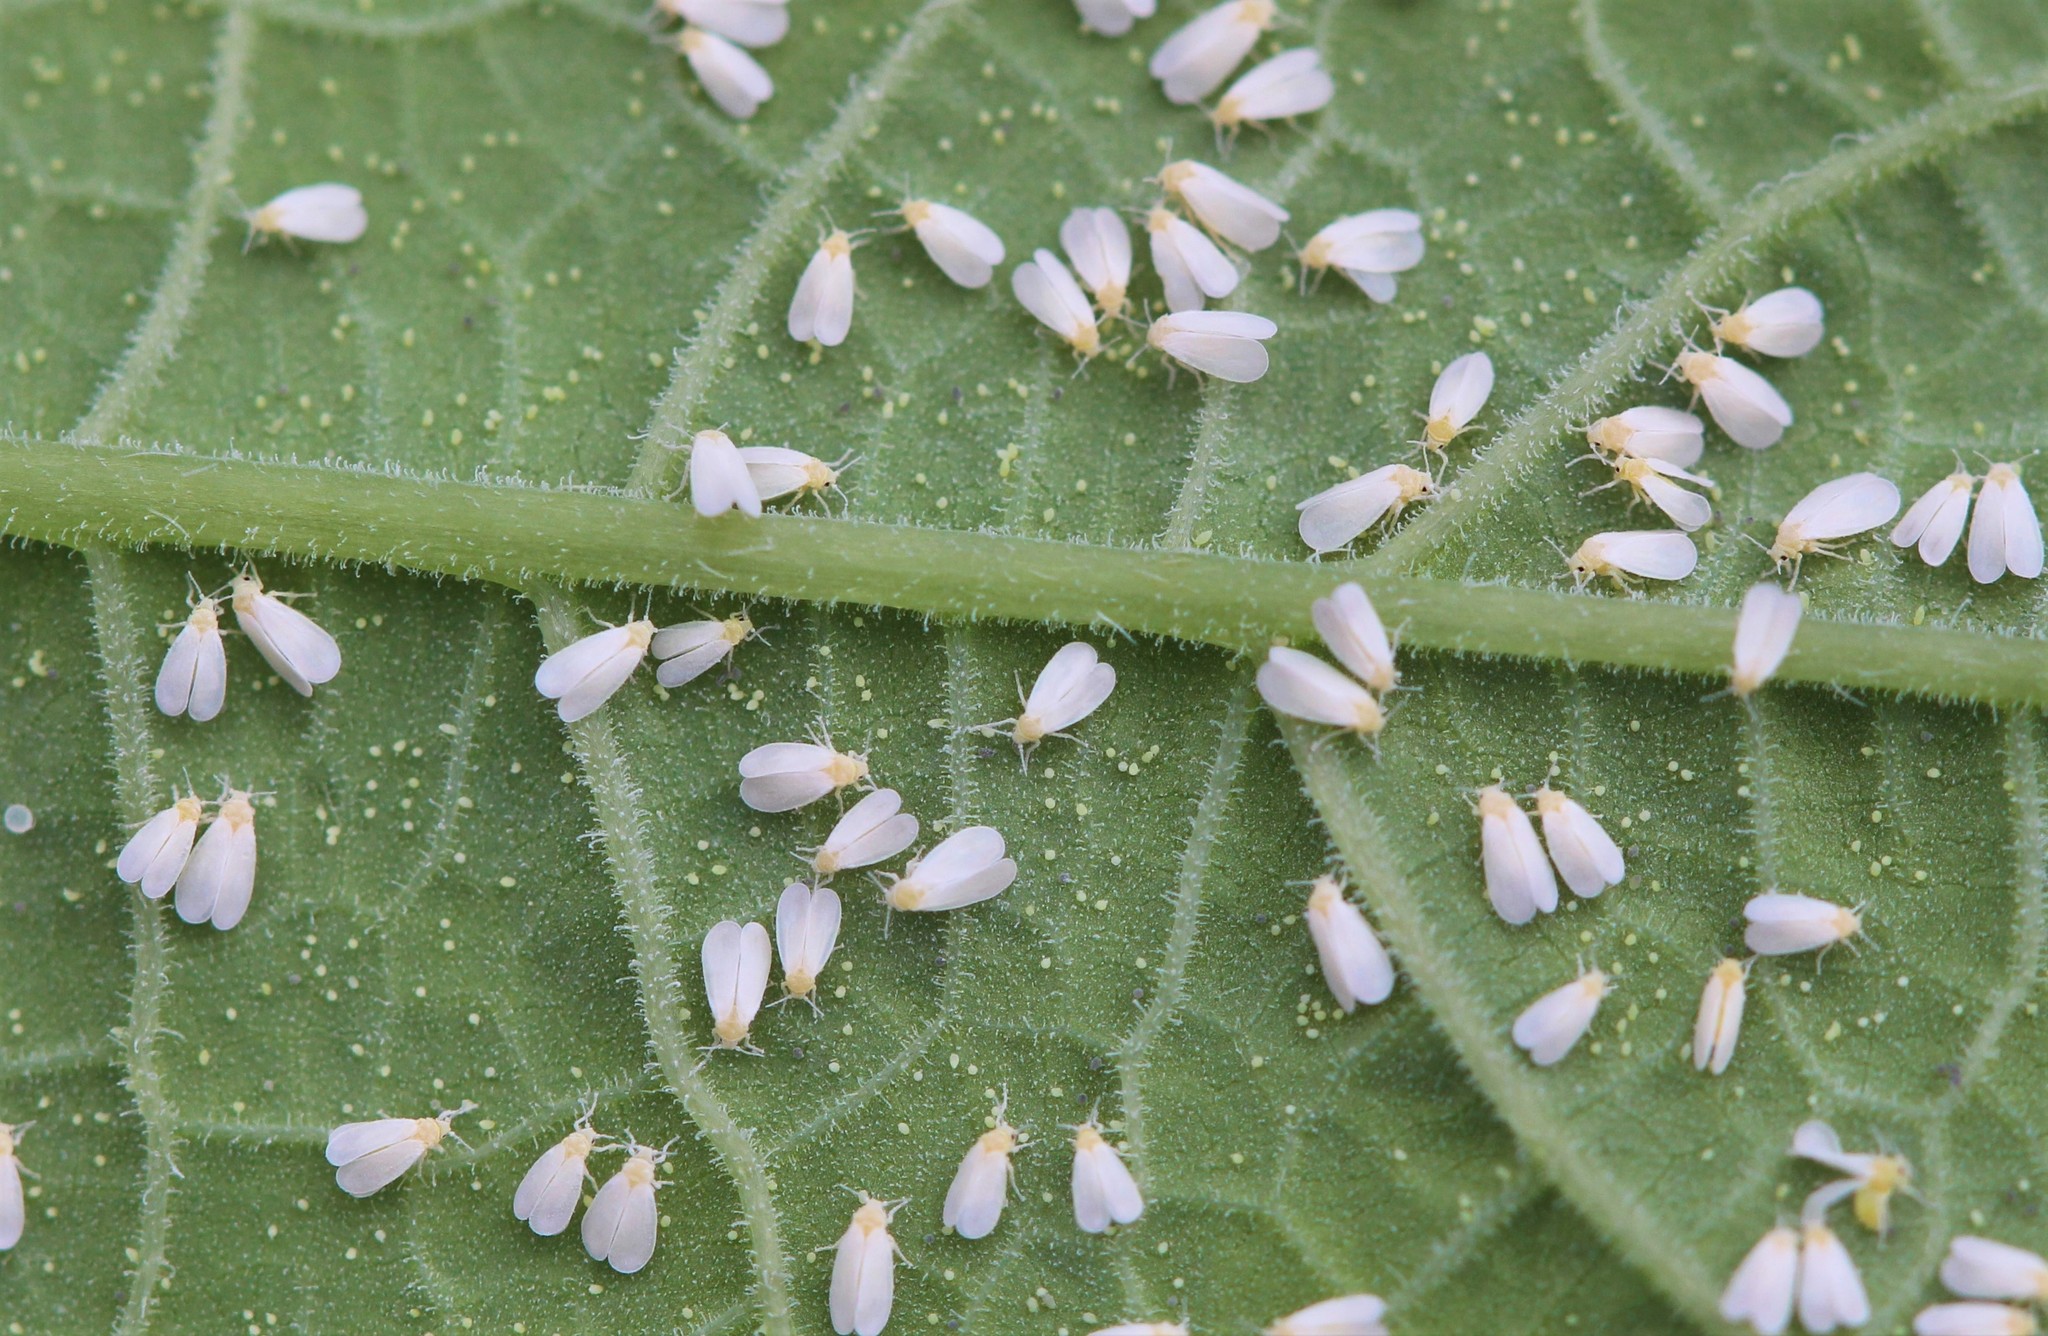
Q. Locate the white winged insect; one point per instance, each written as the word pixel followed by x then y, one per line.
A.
pixel 193 680
pixel 1461 390
pixel 1830 513
pixel 1368 248
pixel 2005 533
pixel 1656 481
pixel 1191 267
pixel 1336 516
pixel 1620 556
pixel 1651 432
pixel 1113 18
pixel 1236 213
pixel 1934 523
pixel 293 644
pixel 965 868
pixel 966 249
pixel 1200 55
pixel 1104 1191
pixel 688 650
pixel 1044 287
pixel 806 930
pixel 585 673
pixel 1099 245
pixel 1225 344
pixel 1742 403
pixel 1586 856
pixel 13 1207
pixel 822 308
pixel 548 1196
pixel 370 1156
pixel 1142 1329
pixel 1974 1319
pixel 621 1225
pixel 219 877
pixel 1345 1315
pixel 1981 1268
pixel 1355 964
pixel 1519 882
pixel 1553 1024
pixel 732 79
pixel 778 471
pixel 974 1203
pixel 719 478
pixel 736 962
pixel 783 776
pixel 1782 924
pixel 1351 627
pixel 874 829
pixel 1302 686
pixel 1764 1285
pixel 1785 323
pixel 156 853
pixel 1872 1176
pixel 1763 636
pixel 1293 83
pixel 327 212
pixel 1831 1290
pixel 1073 685
pixel 1719 1023
pixel 753 23
pixel 864 1270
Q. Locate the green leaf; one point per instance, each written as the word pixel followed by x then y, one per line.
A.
pixel 562 232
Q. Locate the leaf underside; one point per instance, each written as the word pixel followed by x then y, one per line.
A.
pixel 460 899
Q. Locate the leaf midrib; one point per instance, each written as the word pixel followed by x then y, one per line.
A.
pixel 522 536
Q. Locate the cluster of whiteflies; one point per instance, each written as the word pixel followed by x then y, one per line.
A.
pixel 1193 62
pixel 621 1224
pixel 1652 450
pixel 1521 871
pixel 2005 531
pixel 1334 518
pixel 966 868
pixel 215 873
pixel 1193 259
pixel 584 675
pixel 1809 1270
pixel 725 477
pixel 714 38
pixel 193 680
pixel 1078 297
pixel 1301 686
pixel 1998 1285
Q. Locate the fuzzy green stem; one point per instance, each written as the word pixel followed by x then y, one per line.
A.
pixel 517 536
